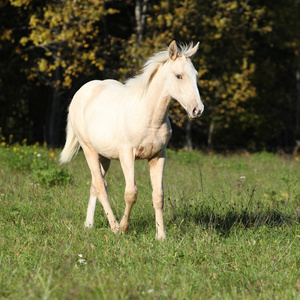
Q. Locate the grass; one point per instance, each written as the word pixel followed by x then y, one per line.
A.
pixel 232 230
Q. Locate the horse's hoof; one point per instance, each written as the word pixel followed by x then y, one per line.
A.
pixel 88 224
pixel 161 237
pixel 115 228
pixel 124 226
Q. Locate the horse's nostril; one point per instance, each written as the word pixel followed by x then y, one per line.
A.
pixel 196 112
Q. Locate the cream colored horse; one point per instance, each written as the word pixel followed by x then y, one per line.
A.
pixel 110 120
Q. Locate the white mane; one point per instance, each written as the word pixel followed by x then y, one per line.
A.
pixel 139 84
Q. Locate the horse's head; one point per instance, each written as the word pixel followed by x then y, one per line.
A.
pixel 182 80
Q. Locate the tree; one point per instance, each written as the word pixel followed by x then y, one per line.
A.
pixel 248 63
pixel 65 40
pixel 277 62
pixel 224 29
pixel 16 116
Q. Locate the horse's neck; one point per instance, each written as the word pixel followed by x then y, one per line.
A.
pixel 157 100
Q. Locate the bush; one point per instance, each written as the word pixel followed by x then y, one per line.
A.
pixel 35 159
pixel 52 176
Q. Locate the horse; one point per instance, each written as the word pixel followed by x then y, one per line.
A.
pixel 111 120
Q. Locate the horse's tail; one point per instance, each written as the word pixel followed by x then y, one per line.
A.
pixel 71 146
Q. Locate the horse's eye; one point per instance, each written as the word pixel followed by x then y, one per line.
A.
pixel 178 76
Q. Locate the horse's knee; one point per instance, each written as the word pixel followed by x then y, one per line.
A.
pixel 158 199
pixel 131 194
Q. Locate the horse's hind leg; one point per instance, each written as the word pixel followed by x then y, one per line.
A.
pixel 104 165
pixel 98 190
pixel 89 222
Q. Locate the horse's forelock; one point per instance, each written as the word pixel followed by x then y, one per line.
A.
pixel 184 48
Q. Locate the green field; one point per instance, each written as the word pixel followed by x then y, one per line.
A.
pixel 232 225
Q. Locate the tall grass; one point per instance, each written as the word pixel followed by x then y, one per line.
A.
pixel 232 230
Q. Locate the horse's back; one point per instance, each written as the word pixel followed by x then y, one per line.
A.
pixel 94 88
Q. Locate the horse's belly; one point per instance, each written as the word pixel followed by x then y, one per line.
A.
pixel 108 152
pixel 104 142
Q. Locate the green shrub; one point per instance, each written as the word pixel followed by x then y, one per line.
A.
pixel 37 160
pixel 52 175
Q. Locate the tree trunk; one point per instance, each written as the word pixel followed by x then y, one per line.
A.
pixel 210 135
pixel 188 136
pixel 141 7
pixel 297 125
pixel 298 105
pixel 54 123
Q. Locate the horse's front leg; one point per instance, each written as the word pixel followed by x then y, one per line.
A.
pixel 156 173
pixel 127 162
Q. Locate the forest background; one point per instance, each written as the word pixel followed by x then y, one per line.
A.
pixel 248 64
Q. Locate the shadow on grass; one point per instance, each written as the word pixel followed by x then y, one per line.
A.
pixel 222 219
pixel 232 220
pixel 224 224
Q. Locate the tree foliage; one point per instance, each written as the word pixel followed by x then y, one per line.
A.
pixel 248 63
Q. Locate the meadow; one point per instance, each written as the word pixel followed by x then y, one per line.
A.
pixel 232 225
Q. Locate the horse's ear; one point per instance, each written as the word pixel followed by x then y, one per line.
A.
pixel 190 54
pixel 173 50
